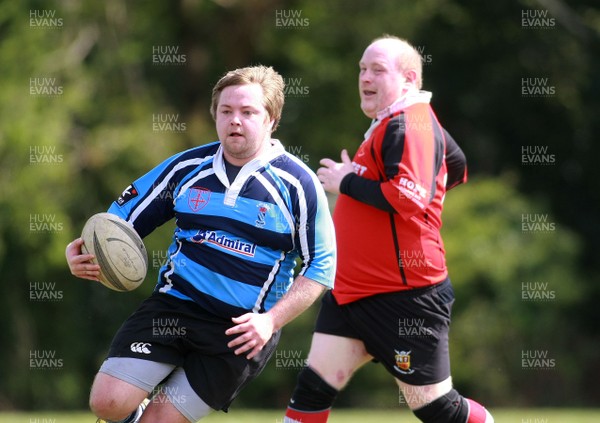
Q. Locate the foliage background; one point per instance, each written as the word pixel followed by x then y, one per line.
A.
pixel 81 92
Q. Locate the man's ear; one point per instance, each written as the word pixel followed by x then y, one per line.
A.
pixel 411 76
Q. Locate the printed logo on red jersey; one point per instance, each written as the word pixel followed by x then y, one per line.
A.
pixel 129 193
pixel 359 169
pixel 413 191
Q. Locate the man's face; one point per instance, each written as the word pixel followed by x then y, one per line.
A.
pixel 243 123
pixel 380 81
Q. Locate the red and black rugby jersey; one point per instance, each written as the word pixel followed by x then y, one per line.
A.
pixel 388 217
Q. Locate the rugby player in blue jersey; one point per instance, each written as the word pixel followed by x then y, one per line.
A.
pixel 245 210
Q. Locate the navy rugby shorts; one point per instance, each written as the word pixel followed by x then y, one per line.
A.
pixel 169 330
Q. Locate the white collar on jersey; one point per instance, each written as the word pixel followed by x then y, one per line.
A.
pixel 233 190
pixel 410 97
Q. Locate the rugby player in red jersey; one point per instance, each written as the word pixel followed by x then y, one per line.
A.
pixel 392 297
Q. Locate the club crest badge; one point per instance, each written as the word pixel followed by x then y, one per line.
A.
pixel 263 209
pixel 198 198
pixel 403 362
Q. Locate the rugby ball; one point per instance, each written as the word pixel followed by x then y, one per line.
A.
pixel 119 251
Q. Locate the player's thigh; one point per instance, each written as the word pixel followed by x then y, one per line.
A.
pixel 161 410
pixel 176 402
pixel 336 358
pixel 417 396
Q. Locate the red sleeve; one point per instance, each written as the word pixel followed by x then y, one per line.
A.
pixel 412 151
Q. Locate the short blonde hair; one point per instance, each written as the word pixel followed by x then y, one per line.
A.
pixel 272 86
pixel 408 57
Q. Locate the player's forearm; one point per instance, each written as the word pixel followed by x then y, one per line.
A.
pixel 456 163
pixel 302 294
pixel 366 191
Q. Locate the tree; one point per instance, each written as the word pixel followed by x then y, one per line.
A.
pixel 95 94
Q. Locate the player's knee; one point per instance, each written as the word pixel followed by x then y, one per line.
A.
pixel 448 408
pixel 312 393
pixel 453 408
pixel 107 405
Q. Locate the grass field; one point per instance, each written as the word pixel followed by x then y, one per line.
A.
pixel 337 416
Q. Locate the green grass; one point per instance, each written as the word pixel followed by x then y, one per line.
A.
pixel 337 416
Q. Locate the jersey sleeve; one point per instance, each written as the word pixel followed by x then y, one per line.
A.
pixel 456 162
pixel 148 202
pixel 366 191
pixel 315 236
pixel 412 158
pixel 407 168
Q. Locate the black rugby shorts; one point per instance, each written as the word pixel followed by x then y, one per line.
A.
pixel 169 330
pixel 407 331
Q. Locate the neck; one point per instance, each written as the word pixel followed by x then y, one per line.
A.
pixel 409 98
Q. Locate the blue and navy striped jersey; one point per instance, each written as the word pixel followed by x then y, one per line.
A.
pixel 235 245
